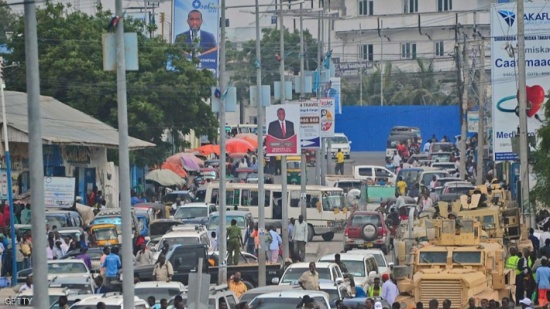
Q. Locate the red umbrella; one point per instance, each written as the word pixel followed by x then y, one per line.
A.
pixel 249 137
pixel 209 149
pixel 176 168
pixel 233 145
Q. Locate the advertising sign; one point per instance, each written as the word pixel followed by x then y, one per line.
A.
pixel 3 184
pixel 328 119
pixel 473 122
pixel 196 24
pixel 282 138
pixel 352 68
pixel 505 72
pixel 331 90
pixel 59 191
pixel 310 124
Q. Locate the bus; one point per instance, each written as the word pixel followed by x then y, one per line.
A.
pixel 325 209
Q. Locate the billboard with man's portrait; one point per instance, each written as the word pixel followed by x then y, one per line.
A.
pixel 283 130
pixel 195 25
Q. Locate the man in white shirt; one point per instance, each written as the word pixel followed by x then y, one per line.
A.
pixel 144 256
pixel 27 285
pixel 389 289
pixel 300 238
pixel 427 146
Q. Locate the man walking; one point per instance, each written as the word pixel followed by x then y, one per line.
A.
pixel 300 239
pixel 389 289
pixel 144 256
pixel 234 243
pixel 339 162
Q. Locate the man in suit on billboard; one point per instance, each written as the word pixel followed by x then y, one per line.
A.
pixel 281 128
pixel 328 91
pixel 195 37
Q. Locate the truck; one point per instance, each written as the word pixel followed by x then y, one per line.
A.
pixel 185 259
pixel 456 264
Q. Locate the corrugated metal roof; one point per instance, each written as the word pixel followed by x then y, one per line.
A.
pixel 61 124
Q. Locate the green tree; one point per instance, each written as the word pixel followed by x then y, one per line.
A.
pixel 71 70
pixel 7 20
pixel 241 61
pixel 541 166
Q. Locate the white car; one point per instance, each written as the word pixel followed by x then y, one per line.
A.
pixel 53 294
pixel 289 299
pixel 383 266
pixel 110 301
pixel 358 265
pixel 329 271
pixel 158 289
pixel 340 141
pixel 69 268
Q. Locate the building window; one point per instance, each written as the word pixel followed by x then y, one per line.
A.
pixel 408 51
pixel 366 7
pixel 439 49
pixel 367 52
pixel 410 6
pixel 444 5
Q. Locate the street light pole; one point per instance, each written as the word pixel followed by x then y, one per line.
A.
pixel 283 158
pixel 303 163
pixel 262 276
pixel 222 244
pixel 124 163
pixel 36 159
pixel 8 172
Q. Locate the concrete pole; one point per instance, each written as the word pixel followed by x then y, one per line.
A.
pixel 303 163
pixel 319 153
pixel 222 240
pixel 464 125
pixel 481 128
pixel 381 65
pixel 283 158
pixel 36 160
pixel 124 164
pixel 262 275
pixel 8 172
pixel 523 129
pixel 361 66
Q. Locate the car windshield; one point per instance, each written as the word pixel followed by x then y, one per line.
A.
pixel 67 268
pixel 105 233
pixel 161 228
pixel 56 220
pixel 332 202
pixel 332 294
pixel 438 257
pixel 339 140
pixel 116 220
pixel 360 220
pixel 186 212
pixel 279 302
pixel 294 273
pixel 355 268
pixel 171 241
pixel 380 260
pixel 460 190
pixel 471 257
pixel 441 157
pixel 215 221
pixel 158 293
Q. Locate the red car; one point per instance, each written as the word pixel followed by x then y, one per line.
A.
pixel 366 229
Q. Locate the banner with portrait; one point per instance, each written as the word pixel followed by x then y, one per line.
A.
pixel 283 130
pixel 195 24
pixel 332 90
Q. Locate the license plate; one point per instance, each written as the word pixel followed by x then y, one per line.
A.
pixel 368 245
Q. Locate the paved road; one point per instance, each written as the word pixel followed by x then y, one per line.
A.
pixel 356 158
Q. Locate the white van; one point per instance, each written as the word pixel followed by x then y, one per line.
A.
pixel 340 141
pixel 372 173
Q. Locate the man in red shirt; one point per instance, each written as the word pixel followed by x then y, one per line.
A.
pixel 138 240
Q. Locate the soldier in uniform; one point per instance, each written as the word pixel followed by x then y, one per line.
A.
pixel 234 243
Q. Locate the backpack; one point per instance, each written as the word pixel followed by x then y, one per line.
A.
pixel 268 238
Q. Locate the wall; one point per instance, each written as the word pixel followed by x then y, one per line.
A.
pixel 368 127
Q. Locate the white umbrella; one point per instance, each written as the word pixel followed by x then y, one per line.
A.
pixel 164 178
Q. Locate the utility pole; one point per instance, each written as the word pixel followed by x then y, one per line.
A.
pixel 303 164
pixel 222 245
pixel 36 159
pixel 463 124
pixel 382 65
pixel 124 163
pixel 262 275
pixel 8 172
pixel 481 129
pixel 319 154
pixel 523 129
pixel 283 158
pixel 361 65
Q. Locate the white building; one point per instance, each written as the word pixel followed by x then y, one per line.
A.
pixel 400 31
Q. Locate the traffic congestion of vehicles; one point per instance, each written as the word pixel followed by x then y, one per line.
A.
pixel 371 239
